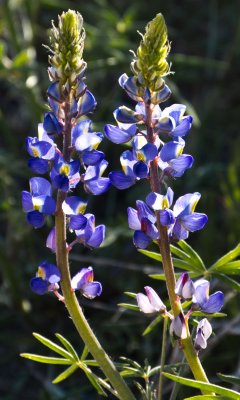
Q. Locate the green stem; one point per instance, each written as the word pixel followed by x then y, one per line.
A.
pixel 71 302
pixel 164 246
pixel 163 358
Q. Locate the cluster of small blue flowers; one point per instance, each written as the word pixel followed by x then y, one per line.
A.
pixel 136 163
pixel 196 292
pixel 85 165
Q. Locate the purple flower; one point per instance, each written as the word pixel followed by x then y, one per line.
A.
pixel 173 122
pixel 171 160
pixel 65 175
pixel 151 303
pixel 142 222
pixel 186 220
pixel 93 181
pixel 90 235
pixel 204 331
pixel 38 202
pixel 162 203
pixel 201 299
pixel 184 286
pixel 46 280
pixel 84 138
pixel 83 281
pixel 178 327
pixel 74 207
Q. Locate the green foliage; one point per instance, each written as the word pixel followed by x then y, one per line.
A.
pixel 207 387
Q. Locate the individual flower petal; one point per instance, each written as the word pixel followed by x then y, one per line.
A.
pixel 40 186
pixel 194 221
pixel 98 186
pixel 39 286
pixel 141 169
pixel 121 180
pixel 141 240
pixel 126 115
pixel 167 217
pixel 171 150
pixel 38 166
pixel 144 304
pixel 204 331
pixel 51 240
pixel 92 157
pixel 51 123
pixel 133 220
pixel 77 222
pixel 97 237
pixel 36 219
pixel 154 299
pixel 82 278
pixel 117 135
pixel 92 290
pixel 183 128
pixel 86 103
pixel 73 205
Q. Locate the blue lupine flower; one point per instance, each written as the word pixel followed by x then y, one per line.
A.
pixel 127 116
pixel 173 122
pixel 135 163
pixel 41 152
pixel 93 181
pixel 38 202
pixel 90 235
pixel 46 280
pixel 186 219
pixel 201 299
pixel 204 331
pixel 159 202
pixel 83 138
pixel 178 327
pixel 83 281
pixel 142 222
pixel 51 123
pixel 65 175
pixel 184 287
pixel 171 160
pixel 74 207
pixel 151 303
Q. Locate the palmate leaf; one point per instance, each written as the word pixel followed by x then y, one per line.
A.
pixel 206 387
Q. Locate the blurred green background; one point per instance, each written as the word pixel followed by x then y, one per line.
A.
pixel 205 57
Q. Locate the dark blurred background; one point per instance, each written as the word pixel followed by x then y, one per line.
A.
pixel 205 57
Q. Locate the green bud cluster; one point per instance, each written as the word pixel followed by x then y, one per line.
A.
pixel 150 64
pixel 67 43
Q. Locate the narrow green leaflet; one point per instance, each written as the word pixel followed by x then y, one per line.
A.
pixel 229 281
pixel 46 360
pixel 180 253
pixel 232 267
pixel 207 387
pixel 227 258
pixel 84 353
pixel 194 256
pixel 162 277
pixel 178 263
pixel 94 381
pixel 129 306
pixel 65 374
pixel 235 380
pixel 201 314
pixel 67 345
pixel 53 346
pixel 130 294
pixel 207 397
pixel 152 325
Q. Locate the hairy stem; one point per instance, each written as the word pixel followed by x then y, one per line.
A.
pixel 71 302
pixel 164 246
